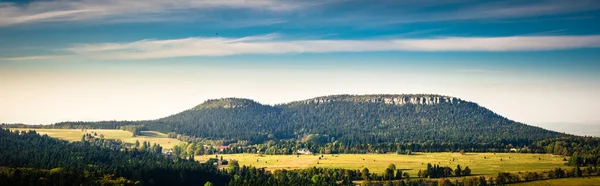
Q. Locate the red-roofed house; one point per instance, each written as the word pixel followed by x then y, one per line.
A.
pixel 221 148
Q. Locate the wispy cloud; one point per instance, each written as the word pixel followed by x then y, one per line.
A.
pixel 276 44
pixel 492 10
pixel 306 12
pixel 26 58
pixel 128 10
pixel 512 8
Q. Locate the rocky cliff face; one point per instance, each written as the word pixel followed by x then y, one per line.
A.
pixel 388 99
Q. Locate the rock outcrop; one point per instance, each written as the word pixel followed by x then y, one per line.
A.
pixel 387 99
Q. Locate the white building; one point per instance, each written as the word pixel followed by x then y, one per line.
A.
pixel 304 151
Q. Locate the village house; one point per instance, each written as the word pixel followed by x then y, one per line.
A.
pixel 169 154
pixel 304 151
pixel 221 148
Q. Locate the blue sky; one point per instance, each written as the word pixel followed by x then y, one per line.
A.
pixel 532 61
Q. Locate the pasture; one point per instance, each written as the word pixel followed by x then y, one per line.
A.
pixel 588 181
pixel 479 163
pixel 125 136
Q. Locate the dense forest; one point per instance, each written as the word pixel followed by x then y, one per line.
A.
pixel 352 120
pixel 26 155
pixel 583 150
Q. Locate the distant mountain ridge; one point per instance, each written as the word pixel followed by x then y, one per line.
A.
pixel 582 129
pixel 350 120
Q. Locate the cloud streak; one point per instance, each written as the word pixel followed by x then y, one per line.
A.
pixel 482 10
pixel 276 44
pixel 511 9
pixel 128 10
pixel 306 12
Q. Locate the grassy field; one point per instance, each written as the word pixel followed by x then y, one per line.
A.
pixel 588 181
pixel 511 162
pixel 125 136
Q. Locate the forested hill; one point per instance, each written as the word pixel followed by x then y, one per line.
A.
pixel 230 118
pixel 408 118
pixel 346 119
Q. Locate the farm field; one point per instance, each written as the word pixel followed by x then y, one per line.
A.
pixel 125 136
pixel 491 164
pixel 588 181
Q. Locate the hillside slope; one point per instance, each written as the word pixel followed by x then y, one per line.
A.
pixel 230 118
pixel 407 118
pixel 349 119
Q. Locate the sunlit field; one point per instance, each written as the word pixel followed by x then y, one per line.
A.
pixel 588 181
pixel 491 164
pixel 125 136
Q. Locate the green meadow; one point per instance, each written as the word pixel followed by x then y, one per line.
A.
pixel 125 136
pixel 587 181
pixel 479 163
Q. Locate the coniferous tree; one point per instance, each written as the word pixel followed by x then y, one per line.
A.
pixel 398 174
pixel 457 171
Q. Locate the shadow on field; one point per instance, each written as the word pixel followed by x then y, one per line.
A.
pixel 479 175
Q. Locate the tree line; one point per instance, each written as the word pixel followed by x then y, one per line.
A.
pixel 27 157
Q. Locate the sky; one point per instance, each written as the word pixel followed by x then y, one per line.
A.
pixel 535 61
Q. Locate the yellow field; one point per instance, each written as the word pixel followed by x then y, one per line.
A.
pixel 125 136
pixel 588 181
pixel 411 164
